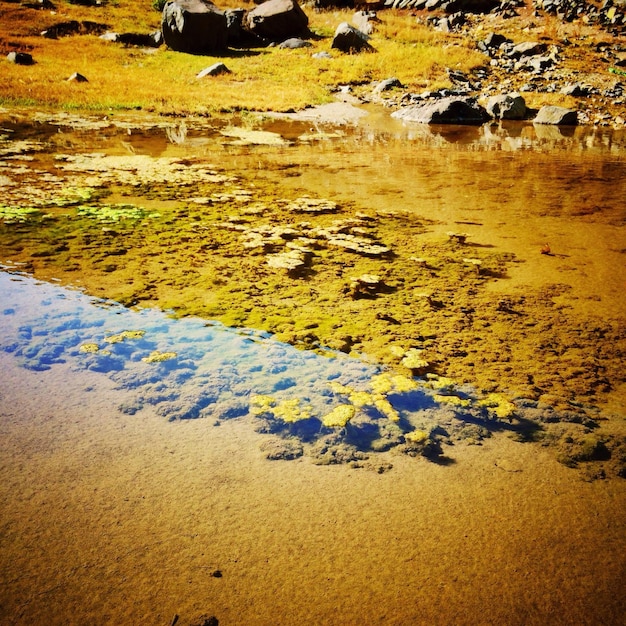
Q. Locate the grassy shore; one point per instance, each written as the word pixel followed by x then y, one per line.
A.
pixel 263 79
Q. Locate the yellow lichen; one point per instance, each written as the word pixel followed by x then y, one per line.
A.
pixel 339 416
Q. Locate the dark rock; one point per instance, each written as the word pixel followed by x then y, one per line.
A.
pixel 469 6
pixel 238 36
pixel 558 116
pixel 277 20
pixel 507 107
pixel 349 39
pixel 452 110
pixel 20 58
pixel 213 70
pixel 294 43
pixel 195 26
pixel 151 40
pixel 74 27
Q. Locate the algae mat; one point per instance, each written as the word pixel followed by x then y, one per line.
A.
pixel 194 222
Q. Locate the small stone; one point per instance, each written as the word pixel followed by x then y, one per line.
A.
pixel 77 78
pixel 213 70
pixel 20 58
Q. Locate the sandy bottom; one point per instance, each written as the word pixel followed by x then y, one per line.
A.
pixel 118 519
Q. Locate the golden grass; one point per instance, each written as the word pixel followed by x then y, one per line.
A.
pixel 165 81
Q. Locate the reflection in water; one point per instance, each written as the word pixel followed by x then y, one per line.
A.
pixel 190 368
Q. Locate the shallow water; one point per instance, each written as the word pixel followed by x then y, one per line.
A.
pixel 113 514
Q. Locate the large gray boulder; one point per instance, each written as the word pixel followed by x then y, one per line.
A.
pixel 277 20
pixel 350 39
pixel 451 110
pixel 195 26
pixel 507 107
pixel 559 116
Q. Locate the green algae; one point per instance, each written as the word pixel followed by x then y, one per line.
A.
pixel 17 214
pixel 112 213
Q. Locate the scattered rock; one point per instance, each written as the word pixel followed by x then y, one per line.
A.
pixel 77 78
pixel 194 26
pixel 365 20
pixel 387 84
pixel 20 58
pixel 451 110
pixel 74 27
pixel 294 43
pixel 349 39
pixel 559 116
pixel 214 70
pixel 507 107
pixel 277 20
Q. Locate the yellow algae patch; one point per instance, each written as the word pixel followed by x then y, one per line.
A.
pixel 385 407
pixel 339 416
pixel 416 436
pixel 125 334
pixel 339 388
pixel 413 359
pixel 454 400
pixel 498 404
pixel 290 411
pixel 90 348
pixel 361 398
pixel 159 357
pixel 386 383
pixel 382 384
pixel 439 382
pixel 403 384
pixel 261 404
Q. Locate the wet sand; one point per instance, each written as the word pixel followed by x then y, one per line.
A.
pixel 118 519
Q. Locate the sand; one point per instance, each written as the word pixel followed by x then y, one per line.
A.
pixel 111 519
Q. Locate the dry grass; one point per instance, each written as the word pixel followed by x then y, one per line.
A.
pixel 165 81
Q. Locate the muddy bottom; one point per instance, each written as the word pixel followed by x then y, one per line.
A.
pixel 478 270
